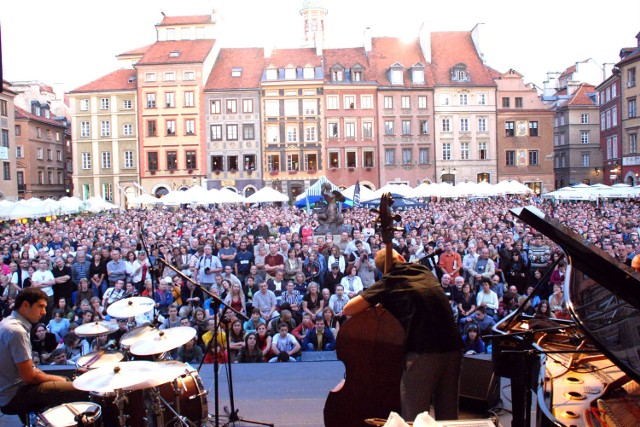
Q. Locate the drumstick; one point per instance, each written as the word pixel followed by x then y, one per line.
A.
pixel 94 359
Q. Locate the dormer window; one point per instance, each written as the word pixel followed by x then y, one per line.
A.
pixel 236 72
pixel 356 73
pixel 308 73
pixel 174 54
pixel 171 33
pixel 290 73
pixel 272 74
pixel 459 73
pixel 417 74
pixel 337 75
pixel 396 74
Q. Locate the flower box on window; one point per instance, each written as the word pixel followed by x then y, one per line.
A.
pixel 274 172
pixel 293 172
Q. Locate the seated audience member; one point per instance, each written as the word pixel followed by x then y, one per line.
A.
pixel 484 321
pixel 473 344
pixel 337 303
pixel 58 325
pixel 254 321
pixel 210 354
pixel 283 343
pixel 250 353
pixel 265 301
pixel 319 338
pixel 305 326
pixel 43 342
pixel 292 297
pixel 285 316
pixel 236 339
pixel 172 320
pixel 264 341
pixel 59 357
pixel 330 321
pixel 190 352
pixel 312 301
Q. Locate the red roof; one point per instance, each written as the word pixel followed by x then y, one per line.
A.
pixel 387 51
pixel 117 80
pixel 25 115
pixel 455 47
pixel 190 51
pixel 136 52
pixel 569 71
pixel 581 96
pixel 250 60
pixel 299 57
pixel 186 20
pixel 348 58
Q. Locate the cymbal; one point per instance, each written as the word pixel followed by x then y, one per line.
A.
pixel 96 328
pixel 130 307
pixel 169 369
pixel 136 334
pixel 161 341
pixel 134 375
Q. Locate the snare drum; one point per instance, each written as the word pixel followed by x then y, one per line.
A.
pixel 65 414
pixel 98 359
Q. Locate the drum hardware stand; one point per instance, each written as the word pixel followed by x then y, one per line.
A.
pixel 176 412
pixel 120 401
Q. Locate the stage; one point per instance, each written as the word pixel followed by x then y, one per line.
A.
pixel 283 394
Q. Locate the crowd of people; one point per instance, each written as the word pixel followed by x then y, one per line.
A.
pixel 266 263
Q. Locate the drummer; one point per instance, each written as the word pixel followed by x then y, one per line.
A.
pixel 23 387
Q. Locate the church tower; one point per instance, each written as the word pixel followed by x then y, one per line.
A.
pixel 314 16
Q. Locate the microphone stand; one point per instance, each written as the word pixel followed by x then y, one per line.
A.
pixel 217 303
pixel 152 274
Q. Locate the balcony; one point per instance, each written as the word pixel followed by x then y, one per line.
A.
pixel 22 188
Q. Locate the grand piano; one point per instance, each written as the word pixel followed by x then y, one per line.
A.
pixel 584 371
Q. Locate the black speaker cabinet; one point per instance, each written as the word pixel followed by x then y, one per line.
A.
pixel 479 387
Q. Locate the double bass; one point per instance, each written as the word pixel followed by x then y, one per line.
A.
pixel 371 346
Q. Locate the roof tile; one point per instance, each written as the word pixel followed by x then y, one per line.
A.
pixel 186 20
pixel 117 80
pixel 454 47
pixel 190 51
pixel 251 60
pixel 386 51
pixel 24 114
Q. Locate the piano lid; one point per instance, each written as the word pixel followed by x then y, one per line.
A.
pixel 603 294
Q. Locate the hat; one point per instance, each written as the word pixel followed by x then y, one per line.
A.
pixel 472 327
pixel 167 280
pixel 335 265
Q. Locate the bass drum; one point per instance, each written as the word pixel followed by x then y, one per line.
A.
pixel 65 415
pixel 134 408
pixel 187 396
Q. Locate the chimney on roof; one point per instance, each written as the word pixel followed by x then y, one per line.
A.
pixel 319 41
pixel 572 86
pixel 425 41
pixel 367 40
pixel 475 37
pixel 551 84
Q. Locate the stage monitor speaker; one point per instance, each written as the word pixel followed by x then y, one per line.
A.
pixel 479 387
pixel 68 371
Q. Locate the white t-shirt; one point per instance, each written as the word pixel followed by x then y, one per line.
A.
pixel 43 276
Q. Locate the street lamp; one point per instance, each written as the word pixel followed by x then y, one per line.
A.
pixel 449 170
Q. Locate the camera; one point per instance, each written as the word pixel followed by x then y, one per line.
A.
pixel 207 270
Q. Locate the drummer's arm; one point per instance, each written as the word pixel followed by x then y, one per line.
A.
pixel 355 306
pixel 32 375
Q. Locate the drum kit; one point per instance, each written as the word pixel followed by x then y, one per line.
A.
pixel 137 385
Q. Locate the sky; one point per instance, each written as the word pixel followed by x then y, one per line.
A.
pixel 73 42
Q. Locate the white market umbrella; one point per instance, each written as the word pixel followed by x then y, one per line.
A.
pixel 174 198
pixel 365 193
pixel 195 194
pixel 511 186
pixel 20 210
pixel 211 197
pixel 229 196
pixel 484 189
pixel 465 189
pixel 98 204
pixel 145 199
pixel 402 189
pixel 266 195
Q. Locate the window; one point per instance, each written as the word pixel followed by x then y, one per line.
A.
pixel 388 127
pixel 632 108
pixel 232 132
pixel 351 159
pixel 356 75
pixel 105 128
pixel 310 134
pixel 483 151
pixel 250 162
pixel 18 130
pixel 273 134
pixel 128 159
pixel 584 118
pixel 190 157
pixel 215 106
pixel 247 106
pixel 586 160
pixel 367 129
pixel 614 116
pixel 482 124
pixel 406 127
pixel 533 157
pixel 188 99
pixel 248 132
pixel 519 102
pixel 422 102
pixel 49 134
pixel 152 160
pixel 291 107
pixel 104 103
pixel 19 152
pixel 40 153
pixel 60 179
pixel 407 156
pixel 505 102
pixel 332 102
pixel 482 99
pixel 5 138
pixel 308 73
pixel 533 128
pixel 390 156
pixel 584 137
pixel 388 102
pixel 509 128
pixel 169 99
pixel 423 156
pixel 188 76
pixel 349 102
pixel 49 177
pixel 367 159
pixel 446 125
pixel 446 151
pixel 151 100
pixel 510 158
pixel 405 102
pixel 396 77
pixel 150 77
pixel 334 159
pixel 4 108
pixel 49 154
pixel 190 126
pixel 271 74
pixel 292 133
pixel 633 143
pixel 445 100
pixel 86 160
pixel 171 127
pixel 151 128
pixel 84 105
pixel 58 155
pixel 309 106
pixel 106 159
pixel 603 124
pixel 423 127
pixel 127 104
pixel 290 73
pixel 172 160
pixel 232 106
pixel 85 130
pixel 463 99
pixel 169 76
pixel 349 130
pixel 464 125
pixel 631 77
pixel 614 91
pixel 366 102
pixel 40 177
pixel 217 163
pixel 6 171
pixel 107 192
pixel 562 138
pixel 464 150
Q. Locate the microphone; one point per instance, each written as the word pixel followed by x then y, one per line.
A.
pixel 111 345
pixel 425 259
